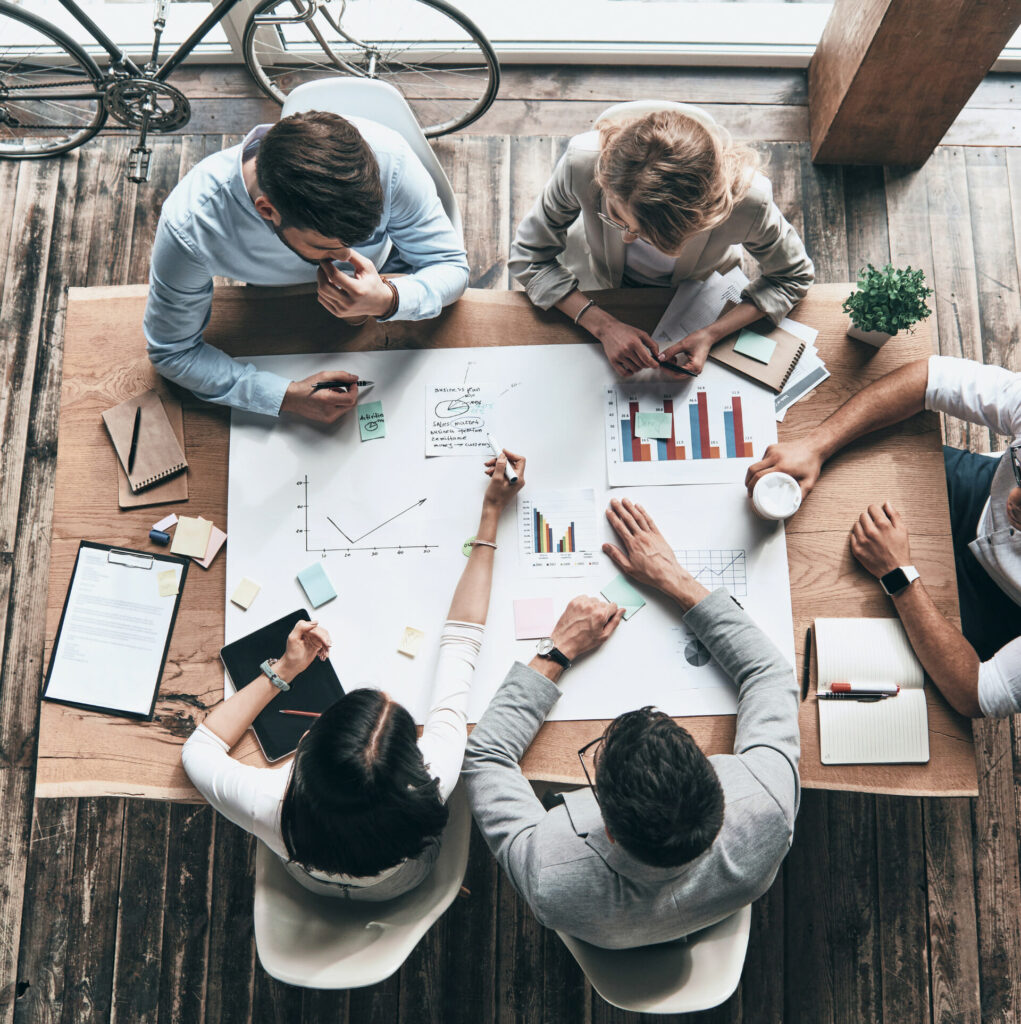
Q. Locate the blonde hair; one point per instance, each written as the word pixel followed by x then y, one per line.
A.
pixel 677 175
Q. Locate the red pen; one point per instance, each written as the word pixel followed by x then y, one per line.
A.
pixel 890 689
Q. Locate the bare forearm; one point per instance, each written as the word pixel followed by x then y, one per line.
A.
pixel 470 602
pixel 890 399
pixel 741 315
pixel 231 719
pixel 949 660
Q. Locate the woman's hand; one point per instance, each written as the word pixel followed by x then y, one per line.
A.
pixel 308 640
pixel 690 352
pixel 628 349
pixel 647 557
pixel 500 489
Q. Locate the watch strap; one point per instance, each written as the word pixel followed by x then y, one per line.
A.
pixel 267 670
pixel 555 654
pixel 899 579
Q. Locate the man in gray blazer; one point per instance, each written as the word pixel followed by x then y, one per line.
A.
pixel 668 841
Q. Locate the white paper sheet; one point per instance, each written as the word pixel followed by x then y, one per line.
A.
pixel 113 634
pixel 287 476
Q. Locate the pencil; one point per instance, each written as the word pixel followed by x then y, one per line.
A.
pixel 299 714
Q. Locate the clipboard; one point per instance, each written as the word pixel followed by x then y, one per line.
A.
pixel 315 689
pixel 98 631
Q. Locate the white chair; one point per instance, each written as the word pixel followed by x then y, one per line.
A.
pixel 695 973
pixel 325 942
pixel 638 108
pixel 375 101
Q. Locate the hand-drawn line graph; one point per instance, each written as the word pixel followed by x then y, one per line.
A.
pixel 717 567
pixel 352 542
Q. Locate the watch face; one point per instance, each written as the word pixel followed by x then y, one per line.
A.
pixel 544 646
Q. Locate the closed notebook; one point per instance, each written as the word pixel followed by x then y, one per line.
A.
pixel 158 454
pixel 891 731
pixel 174 488
pixel 773 374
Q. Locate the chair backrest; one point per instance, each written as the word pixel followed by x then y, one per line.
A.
pixel 695 973
pixel 638 108
pixel 316 941
pixel 377 101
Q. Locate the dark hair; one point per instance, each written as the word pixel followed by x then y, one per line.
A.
pixel 360 799
pixel 321 175
pixel 660 797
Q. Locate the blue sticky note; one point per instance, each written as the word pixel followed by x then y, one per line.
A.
pixel 370 420
pixel 654 424
pixel 620 592
pixel 755 346
pixel 316 584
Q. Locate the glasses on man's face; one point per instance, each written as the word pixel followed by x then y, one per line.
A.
pixel 588 756
pixel 622 228
pixel 1015 460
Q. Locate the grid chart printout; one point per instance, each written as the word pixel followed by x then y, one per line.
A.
pixel 717 567
pixel 716 432
pixel 557 533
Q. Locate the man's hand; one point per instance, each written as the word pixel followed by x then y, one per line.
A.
pixel 307 641
pixel 1014 508
pixel 879 540
pixel 363 293
pixel 801 459
pixel 585 625
pixel 690 352
pixel 647 557
pixel 325 406
pixel 628 349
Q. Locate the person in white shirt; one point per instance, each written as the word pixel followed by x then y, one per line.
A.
pixel 978 667
pixel 359 810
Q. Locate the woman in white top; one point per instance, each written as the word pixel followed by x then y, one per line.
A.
pixel 663 198
pixel 360 809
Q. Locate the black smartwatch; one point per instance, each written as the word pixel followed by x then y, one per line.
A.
pixel 898 579
pixel 545 649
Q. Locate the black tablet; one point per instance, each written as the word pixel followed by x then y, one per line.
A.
pixel 314 690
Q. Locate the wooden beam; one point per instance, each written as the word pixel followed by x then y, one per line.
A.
pixel 889 76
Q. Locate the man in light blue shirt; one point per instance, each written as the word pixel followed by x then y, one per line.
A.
pixel 280 209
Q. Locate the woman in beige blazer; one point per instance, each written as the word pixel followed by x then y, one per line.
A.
pixel 663 198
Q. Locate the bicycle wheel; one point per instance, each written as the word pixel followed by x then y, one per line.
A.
pixel 434 55
pixel 51 90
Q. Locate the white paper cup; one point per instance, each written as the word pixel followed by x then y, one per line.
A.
pixel 776 496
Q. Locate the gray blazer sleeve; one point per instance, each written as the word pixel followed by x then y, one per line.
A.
pixel 542 237
pixel 787 271
pixel 768 739
pixel 505 807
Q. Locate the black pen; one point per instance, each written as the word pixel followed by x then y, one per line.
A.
pixel 134 439
pixel 339 385
pixel 674 368
pixel 869 698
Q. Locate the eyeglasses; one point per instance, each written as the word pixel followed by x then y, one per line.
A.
pixel 1015 459
pixel 588 755
pixel 622 228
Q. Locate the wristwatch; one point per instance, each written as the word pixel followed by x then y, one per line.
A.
pixel 898 579
pixel 545 649
pixel 267 670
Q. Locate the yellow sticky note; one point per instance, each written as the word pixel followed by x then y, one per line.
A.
pixel 245 592
pixel 411 641
pixel 191 537
pixel 167 581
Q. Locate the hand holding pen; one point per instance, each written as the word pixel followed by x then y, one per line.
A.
pixel 327 404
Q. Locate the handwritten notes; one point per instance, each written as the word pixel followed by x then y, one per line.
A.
pixel 455 418
pixel 370 421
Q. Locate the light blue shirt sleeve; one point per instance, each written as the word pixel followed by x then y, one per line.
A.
pixel 176 314
pixel 424 236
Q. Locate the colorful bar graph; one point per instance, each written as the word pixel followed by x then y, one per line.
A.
pixel 542 534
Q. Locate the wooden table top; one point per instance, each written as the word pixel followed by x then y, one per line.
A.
pixel 87 754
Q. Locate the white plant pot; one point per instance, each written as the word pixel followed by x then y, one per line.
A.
pixel 877 339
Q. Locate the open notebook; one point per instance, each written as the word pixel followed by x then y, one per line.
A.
pixel 892 731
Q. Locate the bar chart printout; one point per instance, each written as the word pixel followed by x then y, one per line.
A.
pixel 557 532
pixel 711 432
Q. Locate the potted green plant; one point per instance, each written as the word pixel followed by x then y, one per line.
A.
pixel 886 301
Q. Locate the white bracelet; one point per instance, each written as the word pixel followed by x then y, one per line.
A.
pixel 581 312
pixel 484 543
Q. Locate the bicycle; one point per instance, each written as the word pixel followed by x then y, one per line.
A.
pixel 54 97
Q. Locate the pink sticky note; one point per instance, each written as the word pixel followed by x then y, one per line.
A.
pixel 216 539
pixel 533 618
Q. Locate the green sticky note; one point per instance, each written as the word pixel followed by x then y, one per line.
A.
pixel 621 593
pixel 654 424
pixel 755 346
pixel 316 584
pixel 370 420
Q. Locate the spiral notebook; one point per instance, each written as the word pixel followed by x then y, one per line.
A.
pixel 158 454
pixel 777 371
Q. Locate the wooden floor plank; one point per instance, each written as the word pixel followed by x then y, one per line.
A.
pixel 15 799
